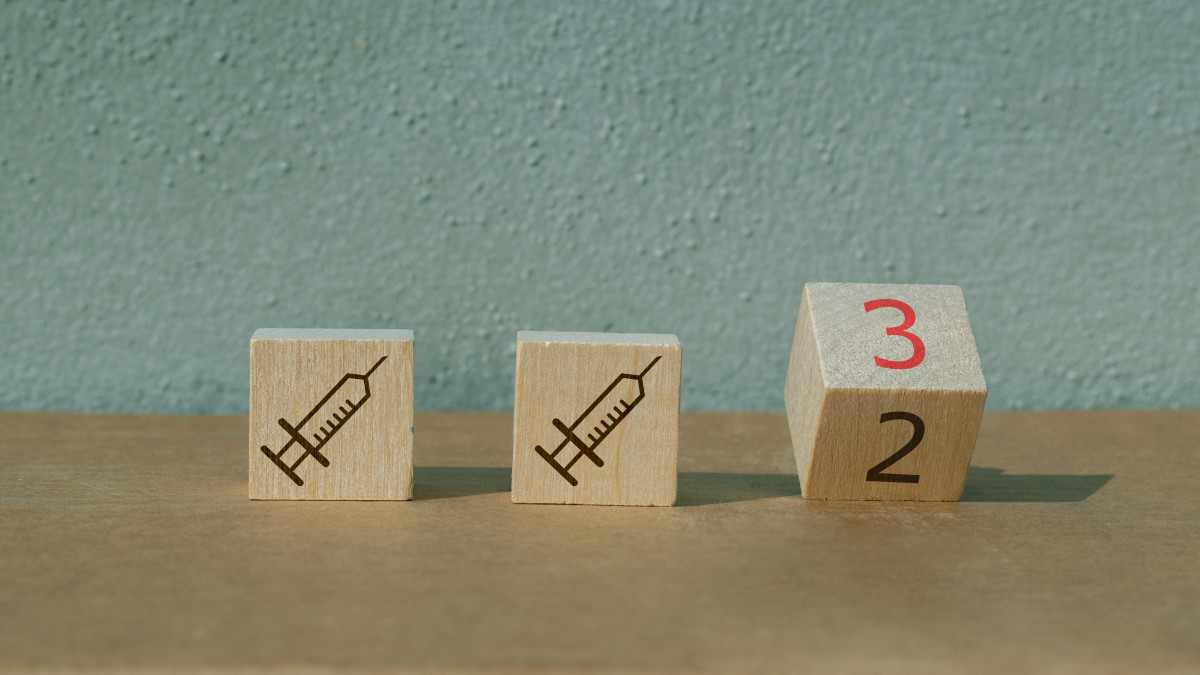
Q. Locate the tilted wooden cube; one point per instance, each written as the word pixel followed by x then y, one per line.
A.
pixel 331 414
pixel 884 393
pixel 596 418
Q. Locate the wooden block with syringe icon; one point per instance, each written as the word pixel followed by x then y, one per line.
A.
pixel 884 393
pixel 596 418
pixel 331 414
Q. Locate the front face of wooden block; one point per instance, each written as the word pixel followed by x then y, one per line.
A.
pixel 885 392
pixel 345 403
pixel 578 404
pixel 894 444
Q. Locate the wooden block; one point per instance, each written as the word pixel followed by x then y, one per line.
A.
pixel 596 418
pixel 331 414
pixel 884 392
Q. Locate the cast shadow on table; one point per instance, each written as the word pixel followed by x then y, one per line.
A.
pixel 701 489
pixel 695 489
pixel 446 482
pixel 984 484
pixel 993 485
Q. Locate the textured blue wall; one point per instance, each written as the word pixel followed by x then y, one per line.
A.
pixel 173 177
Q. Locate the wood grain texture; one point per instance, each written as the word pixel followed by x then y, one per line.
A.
pixel 130 546
pixel 578 420
pixel 359 381
pixel 804 391
pixel 842 404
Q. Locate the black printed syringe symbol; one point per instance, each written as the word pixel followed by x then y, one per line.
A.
pixel 337 413
pixel 607 422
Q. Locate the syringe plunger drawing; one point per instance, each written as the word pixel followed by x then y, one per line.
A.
pixel 601 428
pixel 335 413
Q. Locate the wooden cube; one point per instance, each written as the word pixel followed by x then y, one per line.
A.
pixel 596 418
pixel 331 414
pixel 884 392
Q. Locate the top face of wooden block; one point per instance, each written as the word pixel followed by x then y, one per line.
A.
pixel 597 338
pixel 850 338
pixel 388 334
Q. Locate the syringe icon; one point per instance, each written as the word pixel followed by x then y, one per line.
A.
pixel 336 412
pixel 601 426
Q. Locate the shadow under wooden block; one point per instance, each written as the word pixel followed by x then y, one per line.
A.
pixel 993 485
pixel 448 482
pixel 702 489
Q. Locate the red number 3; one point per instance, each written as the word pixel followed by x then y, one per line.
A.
pixel 910 317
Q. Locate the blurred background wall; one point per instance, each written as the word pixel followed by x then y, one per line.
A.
pixel 173 176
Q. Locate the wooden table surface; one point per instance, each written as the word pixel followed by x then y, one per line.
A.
pixel 128 544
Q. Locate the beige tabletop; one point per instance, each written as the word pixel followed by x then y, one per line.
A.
pixel 128 543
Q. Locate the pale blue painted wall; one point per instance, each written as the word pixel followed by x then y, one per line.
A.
pixel 173 177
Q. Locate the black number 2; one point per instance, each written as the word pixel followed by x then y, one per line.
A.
pixel 876 473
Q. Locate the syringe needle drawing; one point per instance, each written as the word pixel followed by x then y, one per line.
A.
pixel 336 412
pixel 601 427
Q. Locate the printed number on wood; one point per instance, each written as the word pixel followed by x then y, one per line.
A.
pixel 884 392
pixel 596 418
